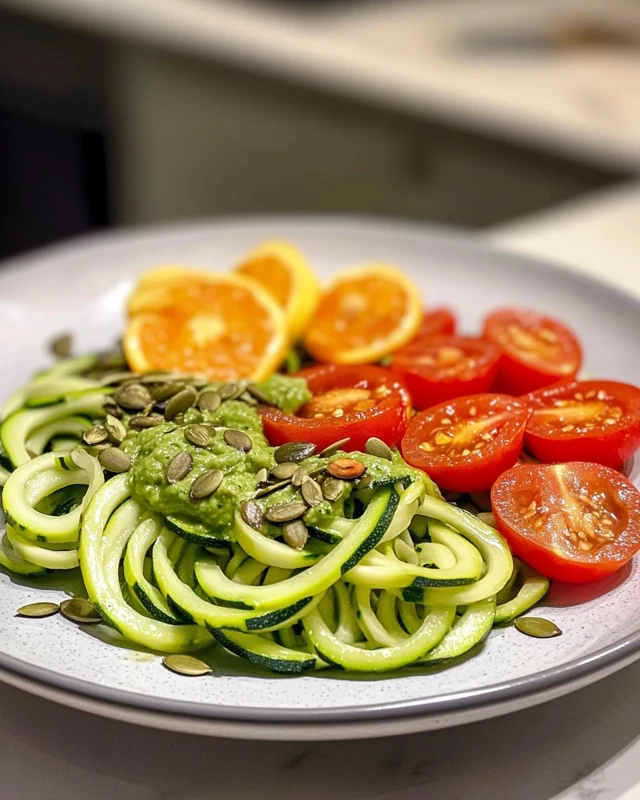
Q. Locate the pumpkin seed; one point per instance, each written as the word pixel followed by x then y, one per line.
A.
pixel 333 448
pixel 114 410
pixel 62 345
pixel 186 665
pixel 140 421
pixel 114 378
pixel 346 468
pixel 298 476
pixel 262 476
pixel 179 467
pixel 228 390
pixel 285 470
pixel 165 391
pixel 114 460
pixel 115 429
pixel 198 383
pixel 198 435
pixel 376 447
pixel 37 610
pixel 209 401
pixel 257 394
pixel 294 451
pixel 115 360
pixel 252 514
pixel 133 397
pixel 365 482
pixel 238 439
pixel 159 377
pixel 248 399
pixel 206 484
pixel 295 533
pixel 95 435
pixel 286 512
pixel 77 609
pixel 537 627
pixel 332 488
pixel 311 492
pixel 273 487
pixel 180 403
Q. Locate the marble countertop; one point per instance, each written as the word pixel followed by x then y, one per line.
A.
pixel 412 56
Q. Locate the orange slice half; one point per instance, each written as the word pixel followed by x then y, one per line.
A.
pixel 365 313
pixel 220 326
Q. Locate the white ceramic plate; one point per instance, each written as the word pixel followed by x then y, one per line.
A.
pixel 81 288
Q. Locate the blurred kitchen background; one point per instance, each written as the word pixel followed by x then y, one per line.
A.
pixel 463 112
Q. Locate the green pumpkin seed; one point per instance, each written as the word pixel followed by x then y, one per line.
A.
pixel 248 399
pixel 114 360
pixel 114 460
pixel 295 533
pixel 186 665
pixel 159 377
pixel 179 467
pixel 273 487
pixel 238 439
pixel 294 451
pixel 257 394
pixel 62 345
pixel 198 383
pixel 115 429
pixel 365 482
pixel 206 484
pixel 284 471
pixel 95 435
pixel 119 377
pixel 228 391
pixel 298 476
pixel 537 627
pixel 37 610
pixel 311 492
pixel 332 488
pixel 252 514
pixel 133 397
pixel 333 448
pixel 262 475
pixel 209 401
pixel 376 447
pixel 197 435
pixel 286 512
pixel 80 610
pixel 141 422
pixel 166 390
pixel 180 403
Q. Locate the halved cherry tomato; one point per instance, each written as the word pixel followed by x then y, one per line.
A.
pixel 537 350
pixel 597 421
pixel 575 522
pixel 440 368
pixel 437 322
pixel 348 401
pixel 465 444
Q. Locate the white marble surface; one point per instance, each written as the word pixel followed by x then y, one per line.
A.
pixel 407 55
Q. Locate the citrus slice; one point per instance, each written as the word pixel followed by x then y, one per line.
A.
pixel 149 290
pixel 364 313
pixel 220 326
pixel 285 273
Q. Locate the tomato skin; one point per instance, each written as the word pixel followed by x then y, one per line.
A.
pixel 432 383
pixel 609 443
pixel 560 491
pixel 387 420
pixel 437 322
pixel 475 471
pixel 522 370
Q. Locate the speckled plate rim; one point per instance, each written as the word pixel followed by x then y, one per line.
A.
pixel 399 717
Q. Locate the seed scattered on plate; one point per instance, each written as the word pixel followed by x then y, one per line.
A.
pixel 252 514
pixel 198 435
pixel 285 512
pixel 133 397
pixel 298 476
pixel 209 401
pixel 257 393
pixel 206 484
pixel 366 481
pixel 37 610
pixel 311 492
pixel 166 390
pixel 229 390
pixel 238 439
pixel 284 471
pixel 119 377
pixel 77 609
pixel 115 429
pixel 333 448
pixel 114 460
pixel 332 488
pixel 295 533
pixel 95 435
pixel 179 467
pixel 186 665
pixel 294 451
pixel 376 447
pixel 141 422
pixel 180 403
pixel 346 468
pixel 62 345
pixel 114 410
pixel 272 488
pixel 262 475
pixel 537 627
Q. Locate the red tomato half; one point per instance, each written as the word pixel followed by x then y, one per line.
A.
pixel 597 421
pixel 443 367
pixel 537 350
pixel 348 401
pixel 465 444
pixel 437 322
pixel 575 522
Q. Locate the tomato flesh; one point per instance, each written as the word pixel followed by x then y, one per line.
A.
pixel 357 402
pixel 597 421
pixel 537 350
pixel 574 522
pixel 440 368
pixel 438 322
pixel 466 443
